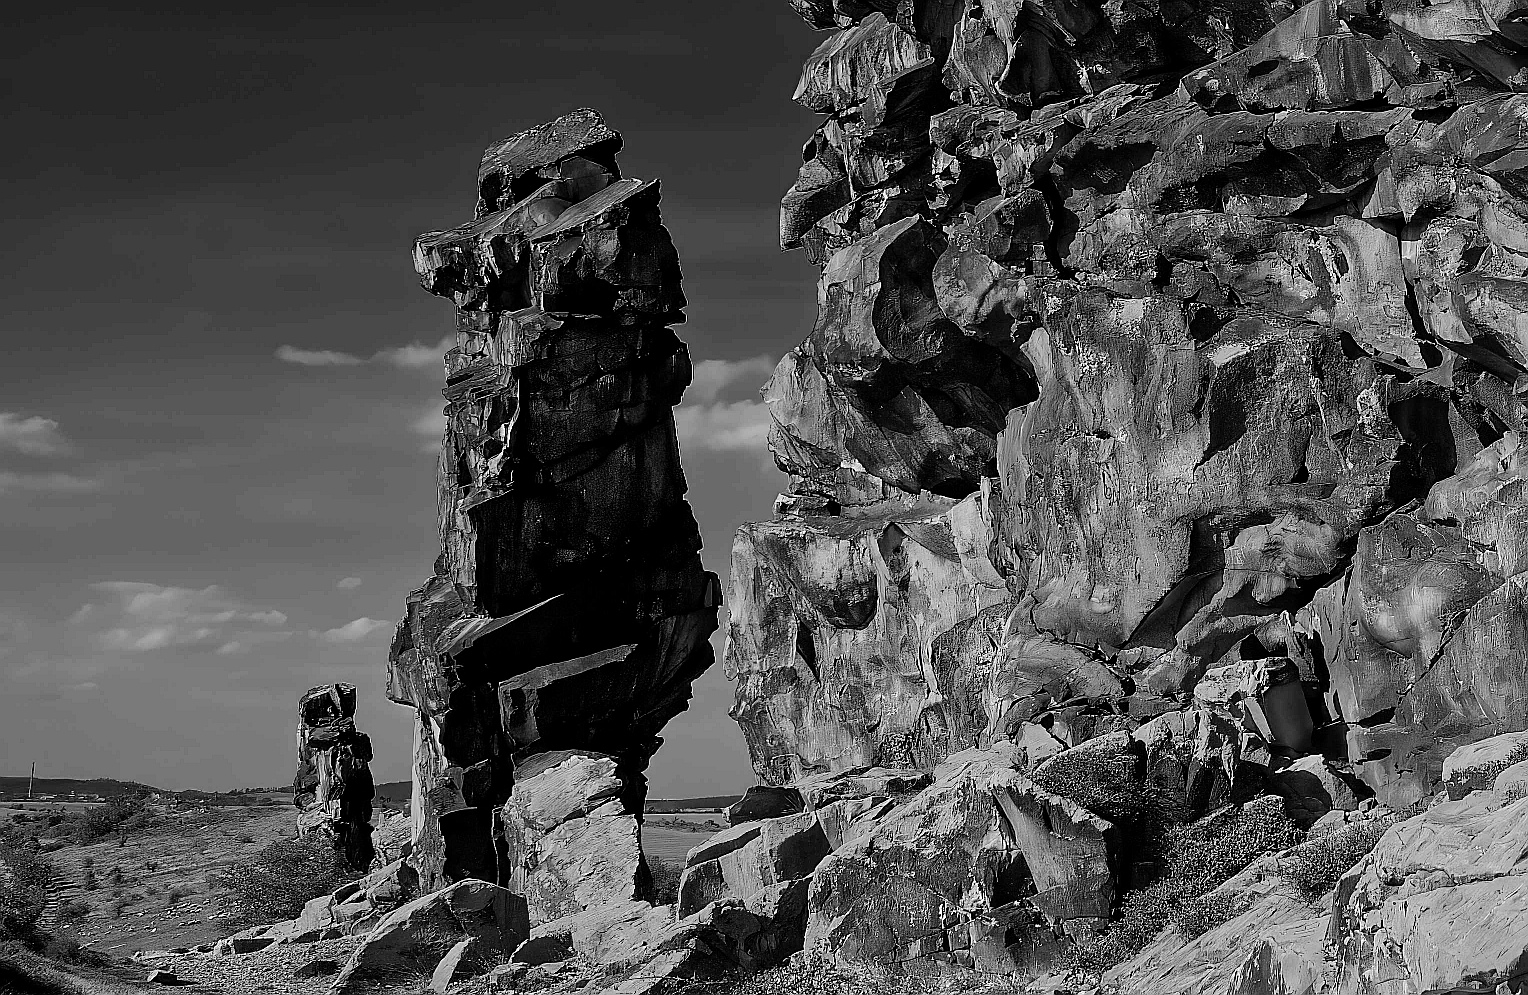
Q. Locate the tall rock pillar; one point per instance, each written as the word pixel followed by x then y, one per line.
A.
pixel 568 609
pixel 333 787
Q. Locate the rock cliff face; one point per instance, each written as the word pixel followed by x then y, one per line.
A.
pixel 1165 401
pixel 568 609
pixel 333 787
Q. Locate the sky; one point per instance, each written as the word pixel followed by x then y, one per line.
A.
pixel 219 398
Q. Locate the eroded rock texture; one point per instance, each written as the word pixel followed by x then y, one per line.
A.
pixel 568 609
pixel 333 787
pixel 1167 384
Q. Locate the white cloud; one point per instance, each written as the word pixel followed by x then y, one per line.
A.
pixel 414 356
pixel 353 632
pixel 723 426
pixel 316 357
pixel 348 583
pixel 32 436
pixel 12 481
pixel 713 376
pixel 431 423
pixel 140 617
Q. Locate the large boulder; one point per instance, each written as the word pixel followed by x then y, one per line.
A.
pixel 1442 902
pixel 980 869
pixel 414 938
pixel 571 842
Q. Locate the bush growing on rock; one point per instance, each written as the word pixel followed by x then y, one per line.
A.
pixel 1194 860
pixel 275 881
pixel 1315 868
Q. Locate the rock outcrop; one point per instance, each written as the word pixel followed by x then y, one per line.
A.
pixel 568 610
pixel 1163 413
pixel 333 787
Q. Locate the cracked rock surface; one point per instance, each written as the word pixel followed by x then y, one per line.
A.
pixel 1164 406
pixel 568 610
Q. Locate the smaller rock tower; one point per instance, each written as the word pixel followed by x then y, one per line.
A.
pixel 333 783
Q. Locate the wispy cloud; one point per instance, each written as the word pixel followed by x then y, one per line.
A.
pixel 348 583
pixel 714 376
pixel 316 357
pixel 707 421
pixel 431 422
pixel 414 356
pixel 140 617
pixel 21 481
pixel 353 632
pixel 32 435
pixel 723 426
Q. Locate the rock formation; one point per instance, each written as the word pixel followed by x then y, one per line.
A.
pixel 568 610
pixel 1161 422
pixel 333 787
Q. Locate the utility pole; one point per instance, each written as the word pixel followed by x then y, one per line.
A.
pixel 31 780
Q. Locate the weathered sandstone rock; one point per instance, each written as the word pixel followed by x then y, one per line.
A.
pixel 568 609
pixel 415 937
pixel 333 786
pixel 1161 428
pixel 572 845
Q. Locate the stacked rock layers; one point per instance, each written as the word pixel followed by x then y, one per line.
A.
pixel 568 610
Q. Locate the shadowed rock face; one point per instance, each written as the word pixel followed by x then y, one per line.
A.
pixel 1168 381
pixel 333 787
pixel 568 609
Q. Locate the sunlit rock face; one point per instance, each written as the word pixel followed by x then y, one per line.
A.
pixel 568 609
pixel 1169 374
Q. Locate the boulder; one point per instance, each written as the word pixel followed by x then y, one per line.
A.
pixel 463 960
pixel 571 842
pixel 1477 766
pixel 320 967
pixel 416 936
pixel 1312 787
pixel 1441 904
pixel 981 846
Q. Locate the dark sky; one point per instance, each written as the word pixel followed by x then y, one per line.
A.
pixel 216 448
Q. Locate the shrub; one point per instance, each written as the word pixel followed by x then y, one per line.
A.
pixel 88 880
pixel 114 876
pixel 24 889
pixel 75 909
pixel 665 881
pixel 274 882
pixel 1195 860
pixel 1315 867
pixel 151 866
pixel 123 814
pixel 177 893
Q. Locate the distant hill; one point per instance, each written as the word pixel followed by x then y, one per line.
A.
pixel 16 787
pixel 394 791
pixel 689 804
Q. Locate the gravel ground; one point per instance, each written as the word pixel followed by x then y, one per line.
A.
pixel 264 971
